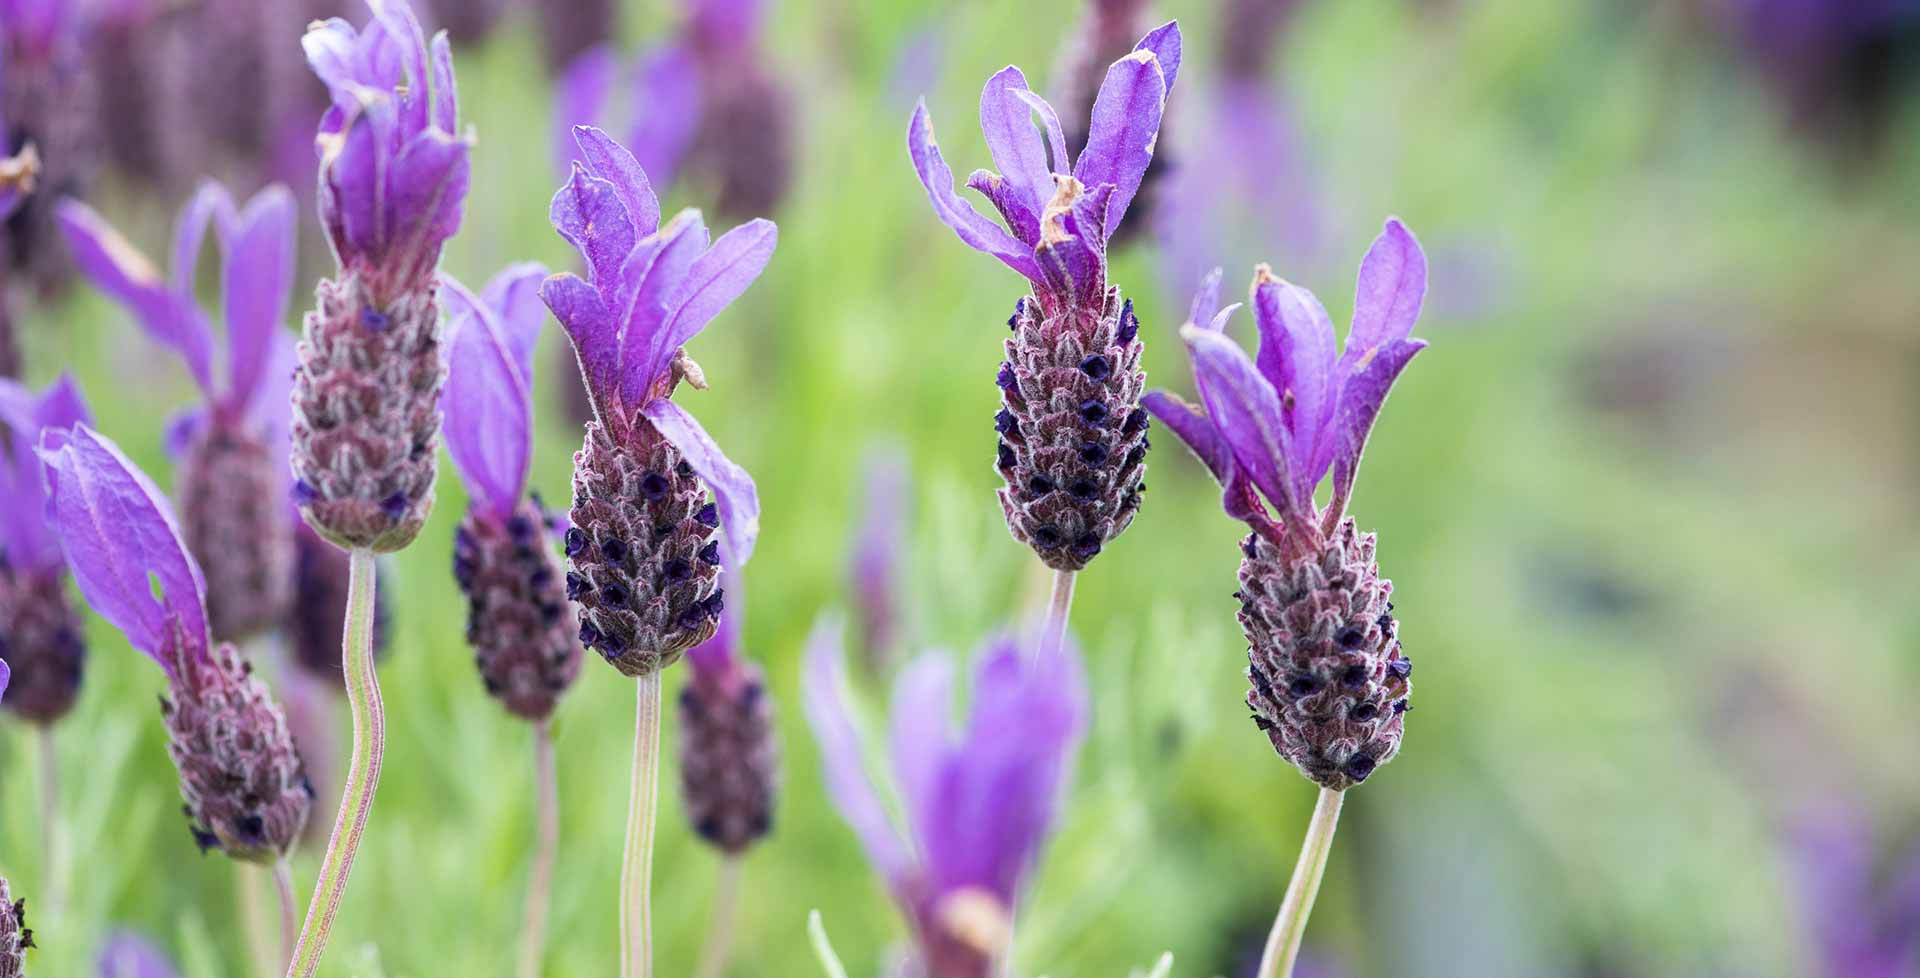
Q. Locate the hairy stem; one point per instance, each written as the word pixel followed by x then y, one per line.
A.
pixel 1059 606
pixel 636 872
pixel 533 939
pixel 363 769
pixel 1283 944
pixel 726 904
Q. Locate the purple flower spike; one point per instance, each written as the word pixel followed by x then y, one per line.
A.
pixel 232 470
pixel 979 802
pixel 729 765
pixel 393 169
pixel 647 593
pixel 44 648
pixel 1330 683
pixel 244 785
pixel 128 955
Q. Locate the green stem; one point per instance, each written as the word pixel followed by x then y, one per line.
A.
pixel 636 872
pixel 50 838
pixel 1283 944
pixel 283 886
pixel 1059 606
pixel 540 877
pixel 726 903
pixel 363 770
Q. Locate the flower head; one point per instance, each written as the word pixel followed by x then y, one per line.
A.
pixel 393 170
pixel 1273 426
pixel 729 763
pixel 41 636
pixel 978 802
pixel 1058 217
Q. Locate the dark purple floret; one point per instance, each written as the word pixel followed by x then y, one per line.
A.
pixel 1005 379
pixel 576 542
pixel 1093 411
pixel 1129 324
pixel 708 516
pixel 1401 667
pixel 1096 367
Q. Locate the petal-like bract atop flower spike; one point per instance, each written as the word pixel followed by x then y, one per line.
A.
pixel 123 544
pixel 393 170
pixel 979 803
pixel 488 397
pixel 27 538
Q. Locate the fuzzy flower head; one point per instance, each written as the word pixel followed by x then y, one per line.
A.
pixel 979 802
pixel 729 761
pixel 488 398
pixel 1274 425
pixel 1058 215
pixel 649 289
pixel 393 170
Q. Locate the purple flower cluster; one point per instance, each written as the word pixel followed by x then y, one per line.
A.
pixel 729 764
pixel 42 640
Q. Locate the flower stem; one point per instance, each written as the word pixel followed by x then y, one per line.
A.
pixel 251 893
pixel 533 940
pixel 1059 606
pixel 50 840
pixel 363 770
pixel 636 872
pixel 726 903
pixel 1283 944
pixel 283 885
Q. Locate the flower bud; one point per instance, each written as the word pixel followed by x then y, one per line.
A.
pixel 728 765
pixel 518 623
pixel 235 524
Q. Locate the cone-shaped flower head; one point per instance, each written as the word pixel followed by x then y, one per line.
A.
pixel 128 955
pixel 1329 680
pixel 1073 440
pixel 518 622
pixel 41 636
pixel 729 764
pixel 978 802
pixel 232 477
pixel 245 789
pixel 15 936
pixel 393 177
pixel 644 563
pixel 879 558
pixel 49 136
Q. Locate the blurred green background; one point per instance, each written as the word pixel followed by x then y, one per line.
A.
pixel 1647 503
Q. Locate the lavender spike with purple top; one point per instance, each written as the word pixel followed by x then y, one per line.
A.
pixel 393 177
pixel 1073 442
pixel 645 564
pixel 232 474
pixel 729 767
pixel 42 639
pixel 246 791
pixel 1329 682
pixel 518 622
pixel 978 805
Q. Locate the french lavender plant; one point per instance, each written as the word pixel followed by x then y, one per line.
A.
pixel 232 473
pixel 1329 680
pixel 245 788
pixel 729 764
pixel 978 806
pixel 1072 435
pixel 518 622
pixel 366 396
pixel 644 563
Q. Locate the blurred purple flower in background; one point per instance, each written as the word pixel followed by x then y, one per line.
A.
pixel 572 27
pixel 979 803
pixel 41 637
pixel 1860 902
pixel 1105 33
pixel 232 474
pixel 880 558
pixel 128 955
pixel 1833 64
pixel 729 766
pixel 47 98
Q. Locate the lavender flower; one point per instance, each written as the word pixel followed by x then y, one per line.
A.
pixel 978 807
pixel 220 47
pixel 128 49
pixel 517 619
pixel 15 936
pixel 1329 680
pixel 644 565
pixel 393 176
pixel 1105 32
pixel 1831 66
pixel 1072 436
pixel 41 636
pixel 729 766
pixel 1860 928
pixel 245 789
pixel 232 474
pixel 570 29
pixel 128 955
pixel 879 558
pixel 47 98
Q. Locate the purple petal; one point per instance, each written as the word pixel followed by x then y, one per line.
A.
pixel 1125 127
pixel 713 281
pixel 446 107
pixel 408 42
pixel 210 203
pixel 116 268
pixel 1072 268
pixel 1386 302
pixel 1050 121
pixel 1019 214
pixel 610 161
pixel 1195 429
pixel 722 652
pixel 733 490
pixel 666 110
pixel 1361 395
pixel 514 297
pixel 580 98
pixel 978 232
pixel 1246 410
pixel 842 759
pixel 921 731
pixel 259 280
pixel 1013 141
pixel 6 675
pixel 588 213
pixel 429 182
pixel 489 424
pixel 655 274
pixel 1206 300
pixel 592 328
pixel 1164 42
pixel 184 427
pixel 353 200
pixel 119 535
pixel 1297 358
pixel 332 48
pixel 127 955
pixel 26 538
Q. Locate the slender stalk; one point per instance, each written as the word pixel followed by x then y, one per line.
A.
pixel 363 769
pixel 1283 944
pixel 50 838
pixel 1059 606
pixel 636 871
pixel 533 939
pixel 726 904
pixel 251 892
pixel 283 886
